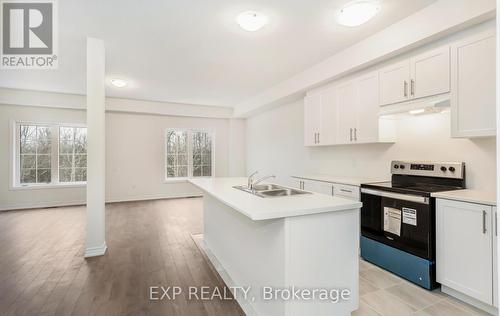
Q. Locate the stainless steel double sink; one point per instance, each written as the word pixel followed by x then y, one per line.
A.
pixel 270 190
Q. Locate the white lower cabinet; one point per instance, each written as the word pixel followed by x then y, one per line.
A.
pixel 316 186
pixel 329 188
pixel 465 248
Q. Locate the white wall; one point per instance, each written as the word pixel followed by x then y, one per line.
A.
pixel 275 145
pixel 134 155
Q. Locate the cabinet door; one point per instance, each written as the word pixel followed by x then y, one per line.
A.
pixel 329 117
pixel 312 119
pixel 473 86
pixel 430 73
pixel 394 83
pixel 464 248
pixel 318 186
pixel 367 109
pixel 346 102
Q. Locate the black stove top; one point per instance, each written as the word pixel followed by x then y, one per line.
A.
pixel 422 189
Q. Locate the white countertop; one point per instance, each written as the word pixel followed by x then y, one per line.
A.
pixel 258 208
pixel 342 180
pixel 467 195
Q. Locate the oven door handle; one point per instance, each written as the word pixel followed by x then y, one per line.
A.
pixel 397 196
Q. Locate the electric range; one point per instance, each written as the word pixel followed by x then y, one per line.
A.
pixel 398 220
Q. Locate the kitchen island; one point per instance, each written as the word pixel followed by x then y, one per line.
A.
pixel 307 243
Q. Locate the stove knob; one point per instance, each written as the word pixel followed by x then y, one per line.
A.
pixel 452 169
pixel 396 167
pixel 443 169
pixel 401 166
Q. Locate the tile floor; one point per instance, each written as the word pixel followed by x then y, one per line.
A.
pixel 384 294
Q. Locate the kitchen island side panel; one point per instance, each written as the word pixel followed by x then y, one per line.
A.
pixel 322 253
pixel 251 252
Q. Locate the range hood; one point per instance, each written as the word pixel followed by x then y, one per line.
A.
pixel 432 104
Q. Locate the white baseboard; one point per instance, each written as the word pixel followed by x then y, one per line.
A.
pixel 27 206
pixel 469 300
pixel 96 251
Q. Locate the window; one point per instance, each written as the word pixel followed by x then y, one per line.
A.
pixel 189 153
pixel 72 154
pixel 35 154
pixel 49 154
pixel 177 154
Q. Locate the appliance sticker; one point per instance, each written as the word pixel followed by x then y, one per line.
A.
pixel 392 220
pixel 410 216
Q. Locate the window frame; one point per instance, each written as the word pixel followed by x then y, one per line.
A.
pixel 15 159
pixel 190 132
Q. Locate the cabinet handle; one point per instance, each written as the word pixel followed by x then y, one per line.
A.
pixel 347 191
pixel 315 139
pixel 484 222
pixel 405 89
pixel 355 134
pixel 318 138
pixel 350 134
pixel 412 87
pixel 332 190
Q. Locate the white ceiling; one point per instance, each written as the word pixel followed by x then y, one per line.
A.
pixel 192 51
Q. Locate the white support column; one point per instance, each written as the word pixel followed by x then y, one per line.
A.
pixel 96 158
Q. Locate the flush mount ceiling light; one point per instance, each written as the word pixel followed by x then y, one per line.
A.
pixel 358 12
pixel 119 83
pixel 251 21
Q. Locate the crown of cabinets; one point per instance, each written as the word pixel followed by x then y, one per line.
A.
pixel 346 114
pixel 421 76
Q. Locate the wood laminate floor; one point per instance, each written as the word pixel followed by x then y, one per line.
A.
pixel 150 243
pixel 43 272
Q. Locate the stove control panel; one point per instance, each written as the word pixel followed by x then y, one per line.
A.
pixel 455 170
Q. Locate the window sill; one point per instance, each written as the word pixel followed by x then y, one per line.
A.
pixel 48 186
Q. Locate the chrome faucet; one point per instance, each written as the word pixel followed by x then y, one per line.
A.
pixel 261 179
pixel 250 180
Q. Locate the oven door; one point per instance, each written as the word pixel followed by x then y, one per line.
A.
pixel 399 220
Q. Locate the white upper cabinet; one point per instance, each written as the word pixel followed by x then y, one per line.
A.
pixel 421 76
pixel 430 73
pixel 367 109
pixel 320 118
pixel 312 119
pixel 473 86
pixel 346 114
pixel 394 83
pixel 346 96
pixel 329 117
